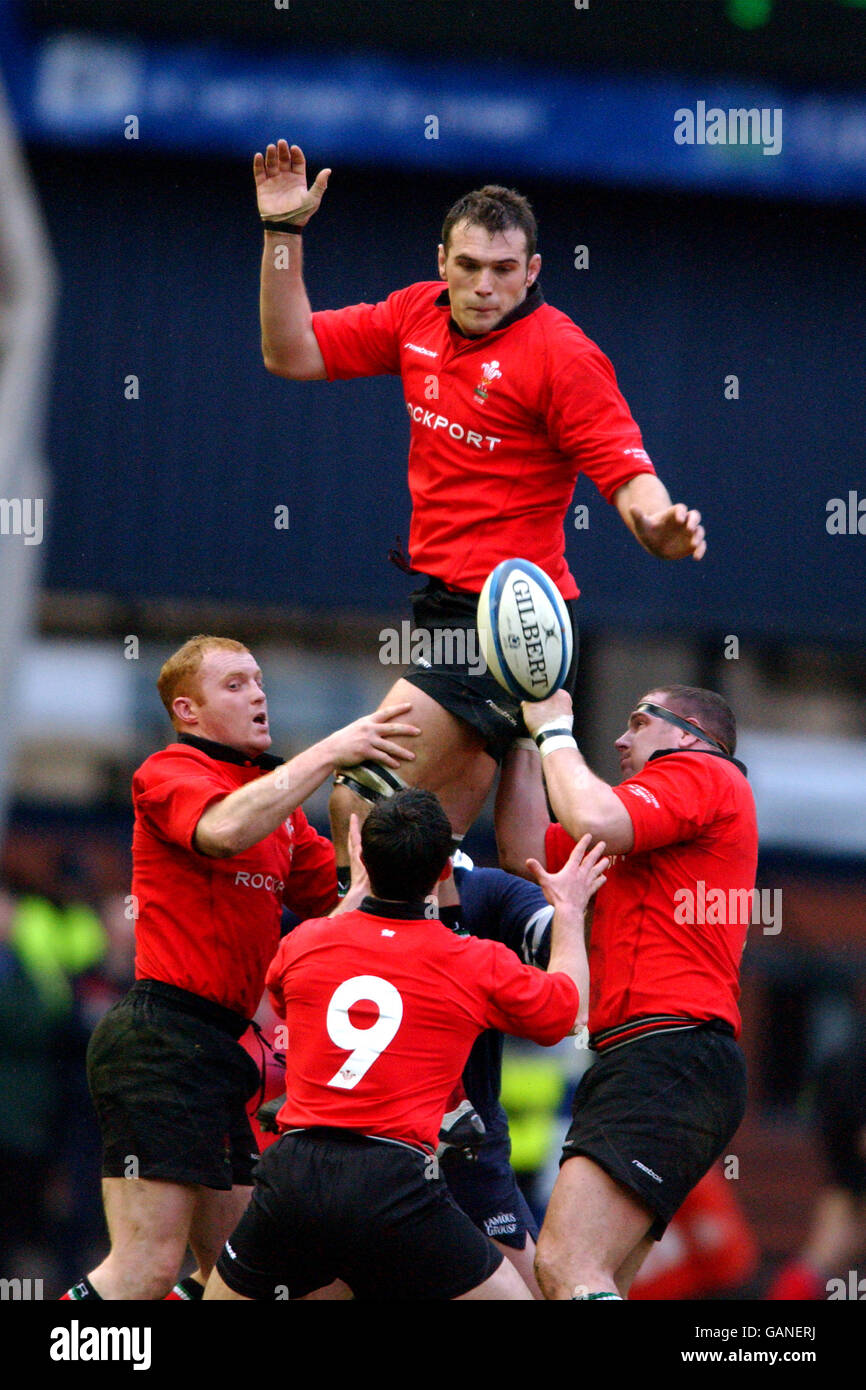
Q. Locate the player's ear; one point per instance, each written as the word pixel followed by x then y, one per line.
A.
pixel 533 268
pixel 441 259
pixel 183 709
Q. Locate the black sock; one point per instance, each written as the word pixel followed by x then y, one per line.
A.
pixel 83 1289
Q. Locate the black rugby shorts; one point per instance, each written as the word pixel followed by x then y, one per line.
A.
pixel 656 1113
pixel 329 1204
pixel 170 1089
pixel 452 676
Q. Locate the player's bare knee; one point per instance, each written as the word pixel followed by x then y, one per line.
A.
pixel 148 1276
pixel 544 1273
pixel 549 1268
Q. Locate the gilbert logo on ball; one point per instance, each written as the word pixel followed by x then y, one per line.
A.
pixel 524 629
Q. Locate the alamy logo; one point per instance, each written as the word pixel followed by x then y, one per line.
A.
pixel 24 1290
pixel 443 646
pixel 737 126
pixel 22 516
pixel 737 907
pixel 76 1343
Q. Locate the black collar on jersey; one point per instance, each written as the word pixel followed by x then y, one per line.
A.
pixel 224 754
pixel 661 712
pixel 704 752
pixel 401 912
pixel 534 300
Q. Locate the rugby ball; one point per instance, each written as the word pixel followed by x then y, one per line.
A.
pixel 524 629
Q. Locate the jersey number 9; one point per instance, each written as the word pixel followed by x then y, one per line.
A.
pixel 364 1045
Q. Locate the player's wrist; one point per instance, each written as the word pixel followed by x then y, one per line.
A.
pixel 554 734
pixel 282 225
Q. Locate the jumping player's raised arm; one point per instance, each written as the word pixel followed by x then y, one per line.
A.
pixel 289 345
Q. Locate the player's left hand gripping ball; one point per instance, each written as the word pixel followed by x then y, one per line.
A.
pixel 525 630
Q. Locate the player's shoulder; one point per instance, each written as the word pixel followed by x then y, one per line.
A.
pixel 305 936
pixel 562 330
pixel 173 759
pixel 565 347
pixel 703 763
pixel 719 780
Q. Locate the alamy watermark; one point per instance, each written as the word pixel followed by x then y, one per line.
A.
pixel 737 126
pixel 847 516
pixel 21 1290
pixel 738 906
pixel 853 1289
pixel 444 646
pixel 22 516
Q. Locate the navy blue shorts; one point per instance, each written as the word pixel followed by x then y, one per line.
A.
pixel 486 1189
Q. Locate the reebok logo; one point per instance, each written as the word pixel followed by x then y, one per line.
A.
pixel 649 1172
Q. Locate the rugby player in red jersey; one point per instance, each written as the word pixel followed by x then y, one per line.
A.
pixel 508 402
pixel 667 1091
pixel 383 1005
pixel 220 843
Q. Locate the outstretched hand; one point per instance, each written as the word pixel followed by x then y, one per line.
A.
pixel 373 737
pixel 579 878
pixel 670 534
pixel 281 184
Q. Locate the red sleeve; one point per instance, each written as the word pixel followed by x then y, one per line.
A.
pixel 526 1001
pixel 361 340
pixel 590 422
pixel 558 845
pixel 311 888
pixel 171 792
pixel 672 799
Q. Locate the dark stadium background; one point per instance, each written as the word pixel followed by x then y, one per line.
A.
pixel 160 511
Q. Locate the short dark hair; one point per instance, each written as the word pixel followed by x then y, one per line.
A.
pixel 496 209
pixel 405 844
pixel 712 712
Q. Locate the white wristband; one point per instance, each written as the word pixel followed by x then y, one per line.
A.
pixel 562 721
pixel 554 741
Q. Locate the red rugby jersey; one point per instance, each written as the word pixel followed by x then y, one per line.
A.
pixel 208 925
pixel 382 1011
pixel 670 923
pixel 501 426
